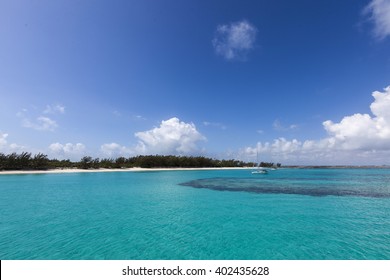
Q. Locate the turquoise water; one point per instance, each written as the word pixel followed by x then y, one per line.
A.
pixel 219 214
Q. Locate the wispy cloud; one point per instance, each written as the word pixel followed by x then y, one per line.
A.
pixel 233 41
pixel 139 118
pixel 171 137
pixel 116 113
pixel 41 122
pixel 215 124
pixel 379 12
pixel 54 109
pixel 124 115
pixel 277 125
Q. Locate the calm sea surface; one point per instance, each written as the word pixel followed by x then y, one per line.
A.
pixel 220 214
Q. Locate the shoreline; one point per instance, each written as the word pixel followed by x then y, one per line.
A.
pixel 101 170
pixel 140 169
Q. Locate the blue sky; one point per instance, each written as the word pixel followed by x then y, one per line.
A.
pixel 291 79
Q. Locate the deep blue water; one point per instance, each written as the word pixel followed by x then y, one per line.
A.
pixel 218 214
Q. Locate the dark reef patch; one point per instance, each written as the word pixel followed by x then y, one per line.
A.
pixel 297 188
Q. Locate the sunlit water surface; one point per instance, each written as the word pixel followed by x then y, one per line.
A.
pixel 218 214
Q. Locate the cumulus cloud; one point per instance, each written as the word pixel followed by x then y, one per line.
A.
pixel 3 139
pixel 115 150
pixel 67 150
pixel 363 131
pixel 233 41
pixel 294 152
pixel 171 137
pixel 13 147
pixel 9 148
pixel 358 137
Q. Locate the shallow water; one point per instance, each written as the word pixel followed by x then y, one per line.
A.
pixel 218 214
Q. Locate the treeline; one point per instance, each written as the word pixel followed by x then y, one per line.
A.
pixel 270 164
pixel 156 161
pixel 26 161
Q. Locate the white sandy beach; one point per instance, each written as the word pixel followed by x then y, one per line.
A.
pixel 135 169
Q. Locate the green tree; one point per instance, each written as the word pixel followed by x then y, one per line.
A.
pixel 40 161
pixel 85 162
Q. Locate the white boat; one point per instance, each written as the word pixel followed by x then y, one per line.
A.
pixel 260 170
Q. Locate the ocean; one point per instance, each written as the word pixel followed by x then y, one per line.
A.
pixel 288 214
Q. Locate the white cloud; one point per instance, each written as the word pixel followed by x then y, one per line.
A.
pixel 9 148
pixel 356 139
pixel 379 11
pixel 16 148
pixel 53 109
pixel 234 40
pixel 291 152
pixel 41 123
pixel 362 131
pixel 215 124
pixel 277 125
pixel 68 150
pixel 284 146
pixel 115 150
pixel 171 137
pixel 3 139
pixel 139 117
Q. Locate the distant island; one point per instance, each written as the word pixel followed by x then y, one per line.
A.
pixel 27 161
pixel 336 166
